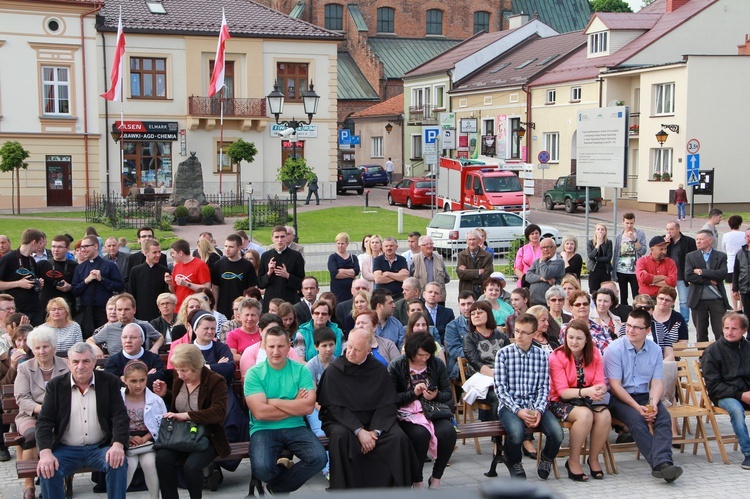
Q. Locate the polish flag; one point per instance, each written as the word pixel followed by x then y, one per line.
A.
pixel 217 78
pixel 115 87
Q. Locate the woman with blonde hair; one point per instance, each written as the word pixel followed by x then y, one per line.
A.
pixel 542 338
pixel 374 248
pixel 207 252
pixel 360 303
pixel 599 258
pixel 68 331
pixel 569 284
pixel 343 268
pixel 571 259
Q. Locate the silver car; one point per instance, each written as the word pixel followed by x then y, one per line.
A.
pixel 448 230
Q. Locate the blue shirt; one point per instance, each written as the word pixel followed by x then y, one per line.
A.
pixel 522 378
pixel 634 369
pixel 393 330
pixel 382 264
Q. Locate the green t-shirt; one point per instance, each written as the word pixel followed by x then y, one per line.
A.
pixel 282 384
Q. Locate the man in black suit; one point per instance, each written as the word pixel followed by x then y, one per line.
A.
pixel 146 282
pixel 139 257
pixel 439 316
pixel 679 246
pixel 67 435
pixel 281 270
pixel 310 289
pixel 706 270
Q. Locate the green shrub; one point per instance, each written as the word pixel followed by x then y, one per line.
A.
pixel 181 212
pixel 508 268
pixel 242 224
pixel 208 211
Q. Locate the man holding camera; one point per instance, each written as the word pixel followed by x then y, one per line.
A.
pixel 57 274
pixel 19 276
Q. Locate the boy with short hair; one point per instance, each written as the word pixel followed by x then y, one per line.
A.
pixel 325 343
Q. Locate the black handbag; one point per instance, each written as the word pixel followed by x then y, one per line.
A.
pixel 181 436
pixel 434 410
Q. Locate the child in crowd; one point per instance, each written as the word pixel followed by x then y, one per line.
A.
pixel 145 410
pixel 325 344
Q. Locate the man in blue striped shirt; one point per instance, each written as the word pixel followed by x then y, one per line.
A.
pixel 522 387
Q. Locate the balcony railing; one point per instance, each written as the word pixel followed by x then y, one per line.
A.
pixel 211 106
pixel 424 114
pixel 635 124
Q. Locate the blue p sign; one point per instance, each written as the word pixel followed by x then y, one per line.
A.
pixel 344 136
pixel 430 135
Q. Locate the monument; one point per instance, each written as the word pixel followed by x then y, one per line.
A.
pixel 188 182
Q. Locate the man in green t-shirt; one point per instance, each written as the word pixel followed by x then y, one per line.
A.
pixel 280 394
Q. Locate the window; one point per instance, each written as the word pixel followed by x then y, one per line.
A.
pixel 551 95
pixel 552 146
pixel 488 126
pixel 664 98
pixel 376 149
pixel 146 162
pixel 385 20
pixel 434 22
pixel 223 163
pixel 439 97
pixel 416 98
pixel 662 161
pixel 481 21
pixel 416 147
pixel 515 143
pixel 575 94
pixel 598 42
pixel 292 80
pixel 148 77
pixel 55 91
pixel 334 17
pixel 228 79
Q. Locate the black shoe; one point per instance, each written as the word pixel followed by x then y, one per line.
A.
pixel 624 438
pixel 516 470
pixel 215 479
pixel 528 453
pixel 544 467
pixel 595 474
pixel 669 472
pixel 496 459
pixel 4 454
pixel 576 477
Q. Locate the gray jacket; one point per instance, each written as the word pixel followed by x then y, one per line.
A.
pixel 538 274
pixel 741 273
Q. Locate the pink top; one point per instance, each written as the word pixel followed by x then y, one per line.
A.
pixel 253 354
pixel 525 257
pixel 563 375
pixel 182 339
pixel 239 340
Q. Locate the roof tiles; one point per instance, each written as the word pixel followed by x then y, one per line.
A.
pixel 352 84
pixel 391 107
pixel 400 55
pixel 448 59
pixel 563 16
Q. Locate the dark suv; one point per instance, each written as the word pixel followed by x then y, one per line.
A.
pixel 349 178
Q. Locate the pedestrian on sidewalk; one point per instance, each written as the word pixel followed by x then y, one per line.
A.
pixel 312 188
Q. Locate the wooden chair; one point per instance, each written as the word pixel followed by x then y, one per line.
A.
pixel 713 411
pixel 687 405
pixel 683 349
pixel 468 409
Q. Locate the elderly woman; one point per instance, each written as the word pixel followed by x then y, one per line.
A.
pixel 578 394
pixel 198 395
pixel 343 267
pixel 132 338
pixel 29 389
pixel 555 297
pixel 189 304
pixel 418 376
pixel 166 303
pixel 360 303
pixel 527 253
pixel 59 322
pixel 493 290
pixel 321 317
pixel 383 349
pixel 569 254
pixel 580 303
pixel 602 316
pixel 542 337
pixel 599 258
pixel 374 248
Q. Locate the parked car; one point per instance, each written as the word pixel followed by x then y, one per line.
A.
pixel 448 230
pixel 412 192
pixel 373 175
pixel 349 178
pixel 567 192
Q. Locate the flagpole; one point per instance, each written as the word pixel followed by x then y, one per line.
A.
pixel 221 138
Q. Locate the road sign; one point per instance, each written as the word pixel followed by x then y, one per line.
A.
pixel 543 166
pixel 345 136
pixel 355 140
pixel 693 146
pixel 431 135
pixel 448 138
pixel 543 157
pixel 693 165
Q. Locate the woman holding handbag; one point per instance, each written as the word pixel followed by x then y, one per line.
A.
pixel 145 412
pixel 199 396
pixel 421 381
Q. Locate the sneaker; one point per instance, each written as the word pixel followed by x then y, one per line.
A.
pixel 669 472
pixel 545 466
pixel 516 470
pixel 4 454
pixel 746 463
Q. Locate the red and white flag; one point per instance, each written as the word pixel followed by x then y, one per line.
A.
pixel 115 86
pixel 217 77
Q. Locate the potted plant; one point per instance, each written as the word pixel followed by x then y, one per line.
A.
pixel 295 173
pixel 181 214
pixel 208 212
pixel 666 177
pixel 634 129
pixel 657 176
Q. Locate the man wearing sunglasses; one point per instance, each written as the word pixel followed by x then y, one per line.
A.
pixel 634 368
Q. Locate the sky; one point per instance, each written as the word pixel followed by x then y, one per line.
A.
pixel 635 5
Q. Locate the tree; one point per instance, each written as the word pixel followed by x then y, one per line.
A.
pixel 646 3
pixel 610 6
pixel 241 150
pixel 13 155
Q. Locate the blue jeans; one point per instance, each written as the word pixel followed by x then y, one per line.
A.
pixel 682 297
pixel 656 448
pixel 317 428
pixel 737 416
pixel 515 431
pixel 266 447
pixel 680 210
pixel 71 459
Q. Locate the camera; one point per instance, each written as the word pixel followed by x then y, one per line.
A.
pixel 37 286
pixel 59 283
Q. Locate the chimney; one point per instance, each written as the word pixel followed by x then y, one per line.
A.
pixel 517 21
pixel 673 5
pixel 744 49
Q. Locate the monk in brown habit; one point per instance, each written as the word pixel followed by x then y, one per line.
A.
pixel 358 410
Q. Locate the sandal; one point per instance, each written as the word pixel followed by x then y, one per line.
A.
pixel 595 474
pixel 576 477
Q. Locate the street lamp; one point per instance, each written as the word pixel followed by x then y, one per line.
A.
pixel 310 101
pixel 116 133
pixel 661 137
pixel 389 128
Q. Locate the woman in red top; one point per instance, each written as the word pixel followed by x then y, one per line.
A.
pixel 577 377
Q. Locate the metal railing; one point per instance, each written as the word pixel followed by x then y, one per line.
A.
pixel 211 106
pixel 122 213
pixel 423 114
